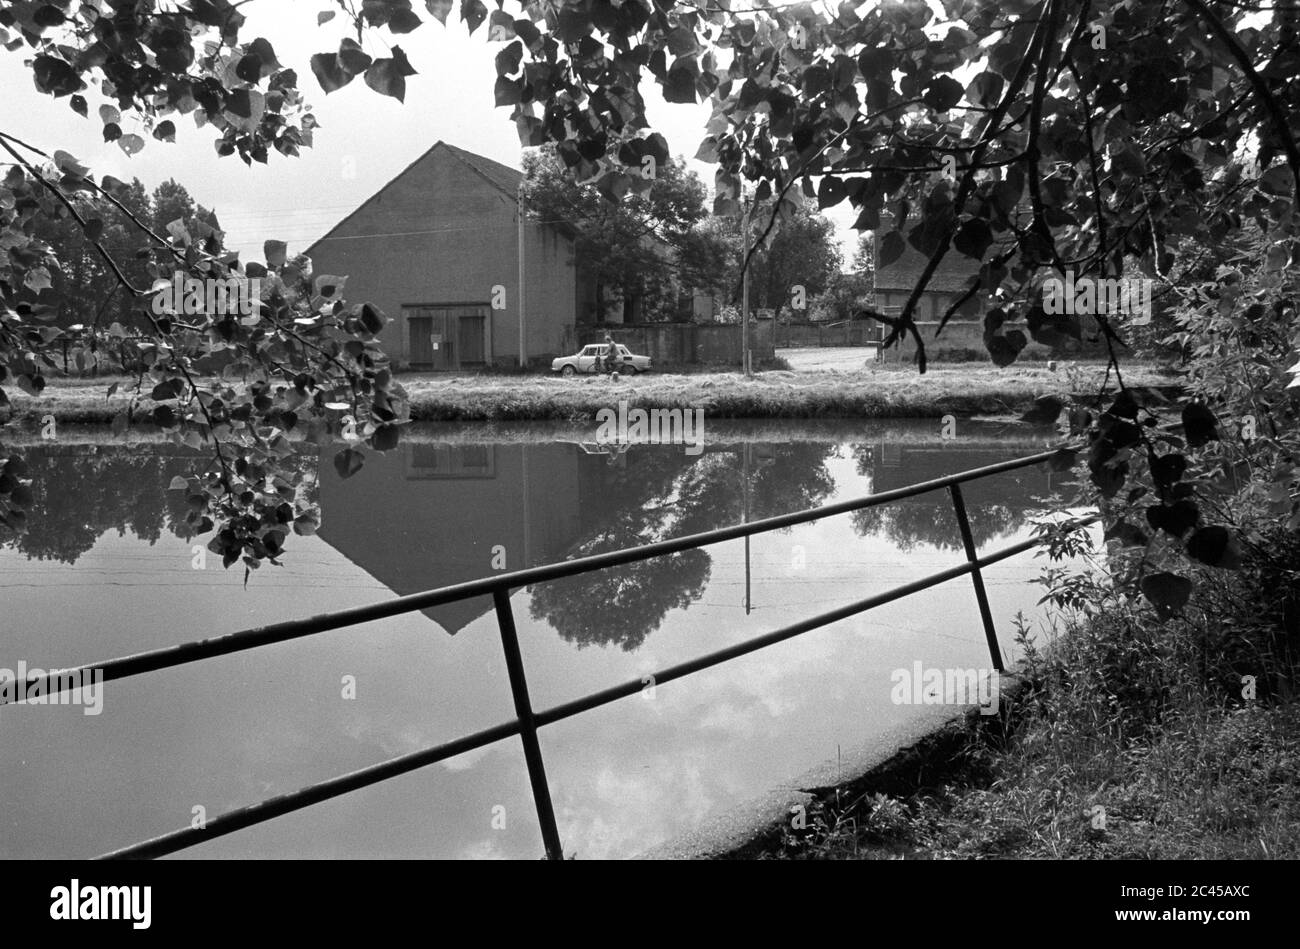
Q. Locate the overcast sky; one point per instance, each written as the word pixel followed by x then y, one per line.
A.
pixel 364 139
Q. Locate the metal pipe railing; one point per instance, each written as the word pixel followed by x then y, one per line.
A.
pixel 314 794
pixel 527 721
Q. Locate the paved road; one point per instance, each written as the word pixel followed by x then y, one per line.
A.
pixel 842 358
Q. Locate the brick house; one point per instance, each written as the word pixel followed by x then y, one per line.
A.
pixel 894 283
pixel 437 249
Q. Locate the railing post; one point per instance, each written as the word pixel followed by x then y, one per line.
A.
pixel 977 579
pixel 527 724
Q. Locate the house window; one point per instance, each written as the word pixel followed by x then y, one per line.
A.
pixel 433 461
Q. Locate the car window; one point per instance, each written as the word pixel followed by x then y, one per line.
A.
pixel 588 351
pixel 623 351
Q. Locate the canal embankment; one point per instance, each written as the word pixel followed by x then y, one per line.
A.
pixel 962 390
pixel 1128 736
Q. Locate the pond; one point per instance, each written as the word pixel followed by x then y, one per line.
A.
pixel 102 573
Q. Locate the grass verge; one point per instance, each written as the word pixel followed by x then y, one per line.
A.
pixel 899 392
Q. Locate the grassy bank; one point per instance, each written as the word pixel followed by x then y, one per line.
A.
pixel 1130 738
pixel 885 392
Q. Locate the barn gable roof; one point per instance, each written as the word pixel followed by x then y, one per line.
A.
pixel 501 177
pixel 504 178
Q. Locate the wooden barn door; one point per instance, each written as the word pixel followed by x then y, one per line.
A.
pixel 420 329
pixel 469 335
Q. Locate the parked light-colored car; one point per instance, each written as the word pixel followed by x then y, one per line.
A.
pixel 586 360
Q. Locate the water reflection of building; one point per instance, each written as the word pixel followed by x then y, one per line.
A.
pixel 434 514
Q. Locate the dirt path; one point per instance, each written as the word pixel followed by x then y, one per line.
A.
pixel 829 358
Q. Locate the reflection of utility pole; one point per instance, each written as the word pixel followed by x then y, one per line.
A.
pixel 745 518
pixel 528 547
pixel 744 299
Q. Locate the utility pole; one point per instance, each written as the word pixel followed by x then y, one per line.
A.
pixel 744 300
pixel 523 357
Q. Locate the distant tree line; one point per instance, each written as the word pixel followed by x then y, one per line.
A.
pixel 88 292
pixel 654 250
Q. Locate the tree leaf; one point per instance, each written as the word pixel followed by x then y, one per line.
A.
pixel 1046 410
pixel 385 437
pixel 352 58
pixel 384 77
pixel 1176 518
pixel 372 318
pixel 473 12
pixel 892 246
pixel 985 89
pixel 974 238
pixel 439 9
pixel 275 252
pixel 1003 350
pixel 131 144
pixel 1216 546
pixel 1200 427
pixel 402 20
pixel 943 93
pixel 329 72
pixel 348 462
pixel 1168 592
pixel 1129 535
pixel 1167 469
pixel 830 192
pixel 55 76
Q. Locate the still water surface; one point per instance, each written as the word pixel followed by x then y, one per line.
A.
pixel 101 573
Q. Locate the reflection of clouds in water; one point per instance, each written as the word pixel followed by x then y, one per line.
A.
pixel 466 761
pixel 395 737
pixel 485 848
pixel 631 807
pixel 727 717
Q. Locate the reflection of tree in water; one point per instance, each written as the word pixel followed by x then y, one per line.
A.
pixel 661 494
pixel 80 493
pixel 622 604
pixel 77 496
pixel 929 518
